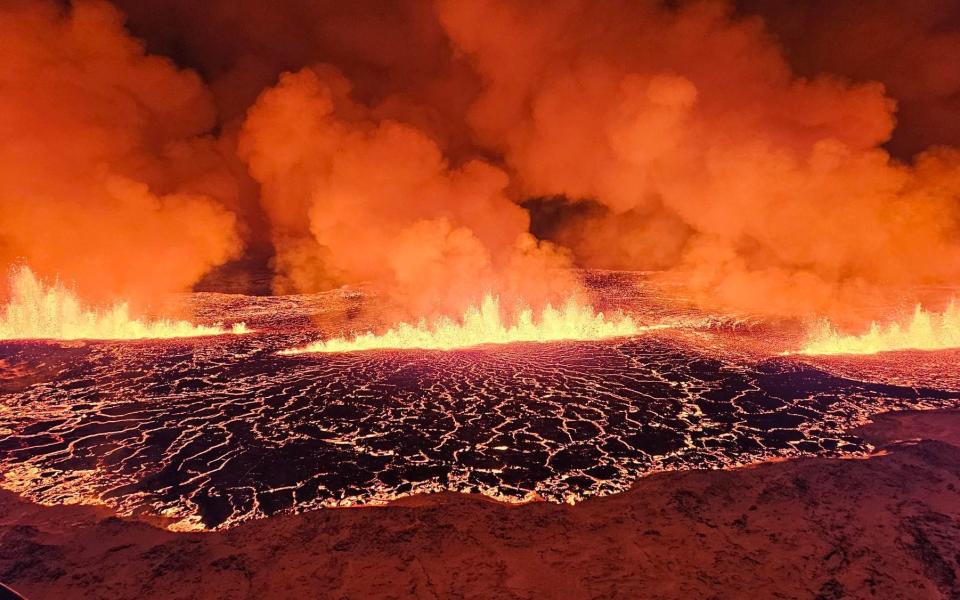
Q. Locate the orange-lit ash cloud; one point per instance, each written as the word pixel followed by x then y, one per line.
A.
pixel 354 198
pixel 760 190
pixel 912 46
pixel 106 176
pixel 402 143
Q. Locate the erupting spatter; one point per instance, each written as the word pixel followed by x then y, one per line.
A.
pixel 38 311
pixel 484 325
pixel 924 331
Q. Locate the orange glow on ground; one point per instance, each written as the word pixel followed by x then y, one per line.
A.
pixel 39 311
pixel 924 331
pixel 483 325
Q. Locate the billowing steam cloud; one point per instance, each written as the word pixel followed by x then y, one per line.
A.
pixel 403 143
pixel 764 191
pixel 355 199
pixel 103 178
pixel 912 46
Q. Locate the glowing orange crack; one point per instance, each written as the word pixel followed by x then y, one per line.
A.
pixel 484 325
pixel 37 311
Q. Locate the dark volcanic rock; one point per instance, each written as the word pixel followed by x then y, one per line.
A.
pixel 223 430
pixel 886 526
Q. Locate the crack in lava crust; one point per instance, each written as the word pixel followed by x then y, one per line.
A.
pixel 213 431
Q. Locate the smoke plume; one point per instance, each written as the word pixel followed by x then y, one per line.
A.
pixel 106 179
pixel 762 191
pixel 447 149
pixel 353 198
pixel 912 46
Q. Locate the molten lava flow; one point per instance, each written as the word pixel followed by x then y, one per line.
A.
pixel 36 311
pixel 483 325
pixel 925 331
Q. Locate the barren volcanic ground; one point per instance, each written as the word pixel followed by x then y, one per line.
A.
pixel 208 432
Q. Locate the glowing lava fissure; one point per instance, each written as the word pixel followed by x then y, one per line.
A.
pixel 36 311
pixel 483 324
pixel 925 330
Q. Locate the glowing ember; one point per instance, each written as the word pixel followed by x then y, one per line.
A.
pixel 925 331
pixel 36 311
pixel 483 325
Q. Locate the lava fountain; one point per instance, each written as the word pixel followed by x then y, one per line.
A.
pixel 483 324
pixel 39 311
pixel 925 330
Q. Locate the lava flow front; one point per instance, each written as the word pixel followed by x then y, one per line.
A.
pixel 484 325
pixel 38 311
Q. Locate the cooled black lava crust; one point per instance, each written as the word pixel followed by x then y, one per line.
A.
pixel 218 430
